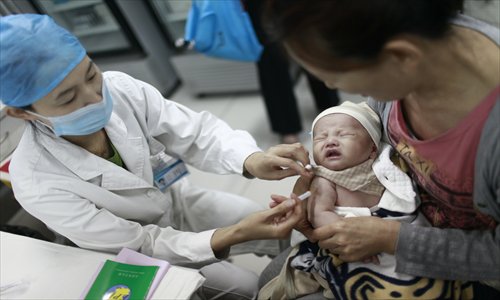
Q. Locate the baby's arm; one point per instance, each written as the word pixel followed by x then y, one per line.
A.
pixel 322 202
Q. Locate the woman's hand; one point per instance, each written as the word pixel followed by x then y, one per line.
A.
pixel 278 162
pixel 274 223
pixel 355 239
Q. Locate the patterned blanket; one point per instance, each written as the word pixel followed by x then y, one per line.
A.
pixel 310 269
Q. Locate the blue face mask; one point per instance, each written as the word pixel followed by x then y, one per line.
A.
pixel 84 121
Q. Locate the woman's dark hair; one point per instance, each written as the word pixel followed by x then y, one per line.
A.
pixel 321 30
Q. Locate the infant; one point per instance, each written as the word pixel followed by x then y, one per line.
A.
pixel 346 139
pixel 356 175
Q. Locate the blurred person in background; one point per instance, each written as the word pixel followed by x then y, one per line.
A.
pixel 277 83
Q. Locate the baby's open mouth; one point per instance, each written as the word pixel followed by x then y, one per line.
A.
pixel 332 153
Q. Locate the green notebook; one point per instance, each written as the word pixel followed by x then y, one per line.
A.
pixel 119 281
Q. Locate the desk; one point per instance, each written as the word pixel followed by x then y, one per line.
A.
pixel 52 271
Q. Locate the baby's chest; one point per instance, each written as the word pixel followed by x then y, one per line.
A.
pixel 346 197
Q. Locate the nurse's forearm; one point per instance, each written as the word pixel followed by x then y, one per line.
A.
pixel 224 238
pixel 274 223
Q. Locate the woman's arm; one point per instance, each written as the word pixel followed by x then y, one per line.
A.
pixel 448 253
pixel 426 251
pixel 454 253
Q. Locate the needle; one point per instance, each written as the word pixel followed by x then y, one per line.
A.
pixel 304 196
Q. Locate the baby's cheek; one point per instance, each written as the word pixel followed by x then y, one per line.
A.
pixel 317 156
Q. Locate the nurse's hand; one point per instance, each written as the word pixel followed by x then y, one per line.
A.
pixel 278 162
pixel 302 225
pixel 275 223
pixel 301 186
pixel 356 239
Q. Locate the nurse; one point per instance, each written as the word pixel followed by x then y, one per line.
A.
pixel 101 161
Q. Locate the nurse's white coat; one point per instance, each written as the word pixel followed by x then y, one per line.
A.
pixel 99 205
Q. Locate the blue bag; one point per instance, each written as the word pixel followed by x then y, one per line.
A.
pixel 222 29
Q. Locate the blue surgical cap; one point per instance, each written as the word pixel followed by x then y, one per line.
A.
pixel 36 54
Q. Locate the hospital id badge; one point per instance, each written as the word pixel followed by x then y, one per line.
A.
pixel 166 173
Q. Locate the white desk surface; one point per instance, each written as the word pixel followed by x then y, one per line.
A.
pixel 43 270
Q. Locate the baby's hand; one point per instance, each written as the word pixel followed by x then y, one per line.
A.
pixel 372 259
